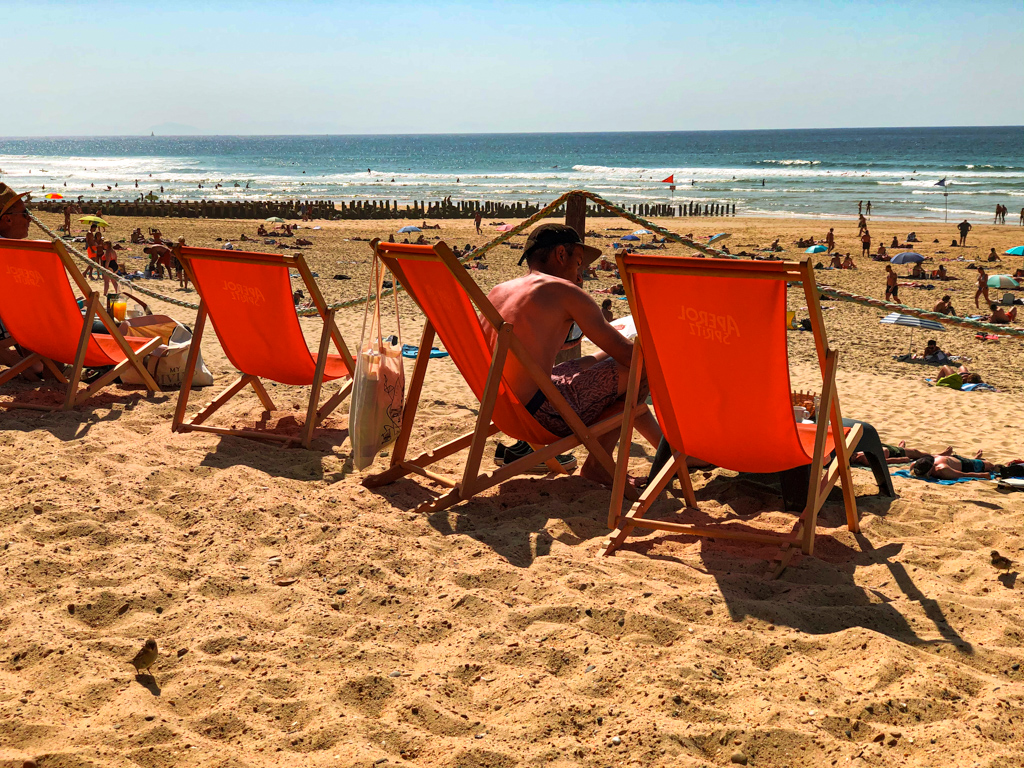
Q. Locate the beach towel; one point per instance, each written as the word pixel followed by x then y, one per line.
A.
pixel 411 350
pixel 906 473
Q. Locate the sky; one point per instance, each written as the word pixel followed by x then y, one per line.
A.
pixel 113 68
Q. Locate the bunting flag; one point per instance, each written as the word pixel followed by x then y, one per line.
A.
pixel 941 183
pixel 670 180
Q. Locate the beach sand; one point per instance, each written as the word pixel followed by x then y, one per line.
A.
pixel 305 620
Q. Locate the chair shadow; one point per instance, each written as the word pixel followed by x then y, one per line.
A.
pixel 827 602
pixel 76 423
pixel 270 456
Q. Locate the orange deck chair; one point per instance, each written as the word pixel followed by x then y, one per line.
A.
pixel 450 299
pixel 38 307
pixel 712 335
pixel 248 298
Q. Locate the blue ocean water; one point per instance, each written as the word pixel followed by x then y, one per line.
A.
pixel 765 173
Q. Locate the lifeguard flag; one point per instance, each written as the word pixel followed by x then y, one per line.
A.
pixel 941 183
pixel 670 180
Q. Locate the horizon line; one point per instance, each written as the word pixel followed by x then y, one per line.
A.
pixel 152 133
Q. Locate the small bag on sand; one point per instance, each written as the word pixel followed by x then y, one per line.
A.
pixel 378 390
pixel 167 362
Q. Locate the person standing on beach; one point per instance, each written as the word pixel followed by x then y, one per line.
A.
pixel 830 240
pixel 477 218
pixel 67 219
pixel 861 225
pixel 868 208
pixel 964 227
pixel 892 285
pixel 982 288
pixel 865 243
pixel 860 207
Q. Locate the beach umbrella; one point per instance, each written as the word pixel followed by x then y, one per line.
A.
pixel 632 238
pixel 908 257
pixel 719 236
pixel 93 220
pixel 895 318
pixel 409 228
pixel 54 196
pixel 816 249
pixel 643 232
pixel 275 220
pixel 1002 281
pixel 1017 250
pixel 505 228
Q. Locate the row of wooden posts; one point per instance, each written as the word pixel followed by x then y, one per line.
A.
pixel 367 209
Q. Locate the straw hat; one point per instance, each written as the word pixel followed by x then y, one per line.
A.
pixel 9 197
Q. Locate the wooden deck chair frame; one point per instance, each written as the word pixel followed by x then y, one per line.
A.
pixel 93 308
pixel 314 414
pixel 473 481
pixel 822 479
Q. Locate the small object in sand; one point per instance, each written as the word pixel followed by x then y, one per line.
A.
pixel 29 764
pixel 616 741
pixel 182 652
pixel 235 659
pixel 341 591
pixel 1000 562
pixel 396 673
pixel 738 758
pixel 285 582
pixel 145 658
pixel 37 509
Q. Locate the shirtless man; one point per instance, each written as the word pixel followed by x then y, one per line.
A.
pixel 90 248
pixel 159 258
pixel 542 306
pixel 982 288
pixel 837 261
pixel 953 467
pixel 477 218
pixel 892 284
pixel 848 262
pixel 830 240
pixel 999 315
pixel 993 256
pixel 865 243
pixel 945 306
pixel 898 454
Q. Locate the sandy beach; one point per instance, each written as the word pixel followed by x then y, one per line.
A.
pixel 302 619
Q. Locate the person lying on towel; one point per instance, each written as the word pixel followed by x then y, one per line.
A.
pixel 542 306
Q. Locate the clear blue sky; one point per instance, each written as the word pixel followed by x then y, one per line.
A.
pixel 105 68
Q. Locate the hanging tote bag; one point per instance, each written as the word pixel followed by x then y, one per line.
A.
pixel 378 390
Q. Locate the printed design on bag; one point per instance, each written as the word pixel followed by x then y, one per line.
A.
pixel 24 276
pixel 709 325
pixel 395 391
pixel 244 294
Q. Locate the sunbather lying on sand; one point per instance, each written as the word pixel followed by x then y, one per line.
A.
pixel 999 315
pixel 955 378
pixel 953 467
pixel 898 454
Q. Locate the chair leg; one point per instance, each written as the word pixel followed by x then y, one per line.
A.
pixel 318 380
pixel 21 365
pixel 624 524
pixel 83 345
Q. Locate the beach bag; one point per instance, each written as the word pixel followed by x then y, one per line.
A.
pixel 378 390
pixel 166 364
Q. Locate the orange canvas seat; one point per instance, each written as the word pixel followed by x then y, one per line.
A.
pixel 39 309
pixel 712 336
pixel 450 299
pixel 248 298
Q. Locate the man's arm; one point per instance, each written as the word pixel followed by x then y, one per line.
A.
pixel 587 314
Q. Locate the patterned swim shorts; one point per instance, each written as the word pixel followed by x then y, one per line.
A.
pixel 589 392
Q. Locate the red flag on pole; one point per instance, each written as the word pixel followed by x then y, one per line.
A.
pixel 670 180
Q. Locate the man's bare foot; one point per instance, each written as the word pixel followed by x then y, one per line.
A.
pixel 978 454
pixel 947 452
pixel 902 444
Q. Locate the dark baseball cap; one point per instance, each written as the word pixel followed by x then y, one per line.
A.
pixel 550 235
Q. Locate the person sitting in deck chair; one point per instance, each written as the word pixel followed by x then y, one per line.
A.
pixel 542 306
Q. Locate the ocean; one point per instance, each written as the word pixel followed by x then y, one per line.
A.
pixel 793 173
